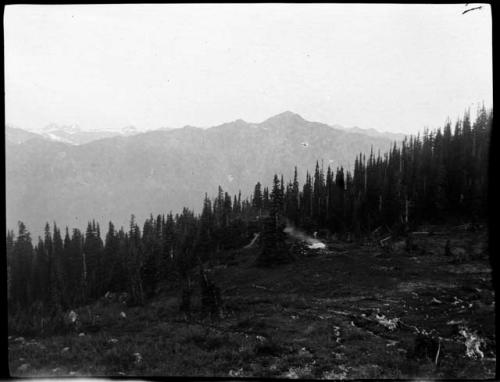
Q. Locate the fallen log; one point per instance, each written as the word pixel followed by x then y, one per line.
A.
pixel 340 312
pixel 340 253
pixel 427 233
pixel 437 354
pixel 384 240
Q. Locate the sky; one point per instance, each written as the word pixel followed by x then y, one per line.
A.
pixel 396 68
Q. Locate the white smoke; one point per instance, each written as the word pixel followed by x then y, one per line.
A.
pixel 298 234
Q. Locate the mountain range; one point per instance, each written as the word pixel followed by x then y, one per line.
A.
pixel 70 134
pixel 70 176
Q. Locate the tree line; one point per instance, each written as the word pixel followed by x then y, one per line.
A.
pixel 438 176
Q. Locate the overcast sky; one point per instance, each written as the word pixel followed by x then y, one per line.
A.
pixel 394 68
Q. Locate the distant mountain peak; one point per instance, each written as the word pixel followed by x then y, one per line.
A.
pixel 55 127
pixel 288 115
pixel 285 118
pixel 129 130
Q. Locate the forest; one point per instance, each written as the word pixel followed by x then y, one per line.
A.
pixel 438 177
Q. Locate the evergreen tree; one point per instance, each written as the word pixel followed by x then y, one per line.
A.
pixel 22 257
pixel 257 199
pixel 9 251
pixel 112 261
pixel 93 249
pixel 134 264
pixel 274 249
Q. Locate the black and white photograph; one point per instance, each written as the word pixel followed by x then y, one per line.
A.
pixel 267 190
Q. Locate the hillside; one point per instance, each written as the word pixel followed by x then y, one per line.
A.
pixel 352 310
pixel 15 135
pixel 163 170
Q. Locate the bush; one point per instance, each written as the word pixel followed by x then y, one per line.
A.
pixel 37 321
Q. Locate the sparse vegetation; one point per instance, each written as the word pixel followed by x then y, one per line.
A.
pixel 324 326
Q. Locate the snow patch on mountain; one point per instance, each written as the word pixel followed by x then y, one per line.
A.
pixel 58 138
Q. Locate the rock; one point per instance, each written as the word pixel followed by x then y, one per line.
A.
pixel 236 373
pixel 456 301
pixel 19 339
pixel 341 374
pixel 24 367
pixel 390 324
pixel 123 315
pixel 72 316
pixel 260 338
pixel 455 322
pixel 472 343
pixel 64 350
pixel 291 374
pixel 81 334
pixel 304 353
pixel 138 358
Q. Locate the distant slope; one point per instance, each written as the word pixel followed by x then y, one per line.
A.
pixel 376 133
pixel 74 135
pixel 163 170
pixel 15 135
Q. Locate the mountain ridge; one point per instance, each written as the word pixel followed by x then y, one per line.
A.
pixel 74 134
pixel 165 170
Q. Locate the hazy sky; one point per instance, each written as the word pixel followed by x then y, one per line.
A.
pixel 389 67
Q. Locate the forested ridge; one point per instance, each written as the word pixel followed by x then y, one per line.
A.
pixel 436 177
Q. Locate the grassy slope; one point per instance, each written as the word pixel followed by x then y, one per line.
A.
pixel 314 318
